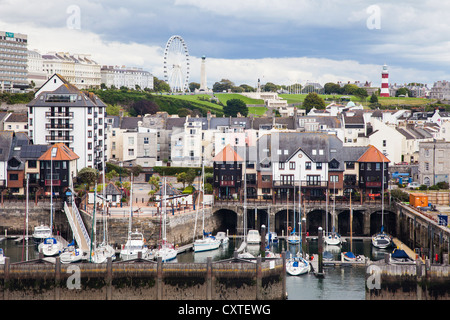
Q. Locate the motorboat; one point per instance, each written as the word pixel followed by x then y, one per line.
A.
pixel 50 247
pixel 381 240
pixel 253 237
pixel 222 236
pixel 41 233
pixel 296 266
pixel 134 245
pixel 71 254
pixel 327 256
pixel 399 256
pixel 207 243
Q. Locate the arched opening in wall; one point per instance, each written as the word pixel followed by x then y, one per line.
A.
pixel 316 219
pixel 282 221
pixel 389 222
pixel 357 225
pixel 227 220
pixel 262 219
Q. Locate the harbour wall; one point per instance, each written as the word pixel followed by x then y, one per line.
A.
pixel 144 280
pixel 419 281
pixel 180 227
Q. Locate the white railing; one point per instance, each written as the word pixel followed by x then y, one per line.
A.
pixel 71 216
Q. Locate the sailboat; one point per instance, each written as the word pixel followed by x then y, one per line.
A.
pixel 293 238
pixel 51 246
pixel 333 238
pixel 135 242
pixel 72 254
pixel 242 250
pixel 349 255
pixel 298 265
pixel 166 250
pixel 382 240
pixel 207 242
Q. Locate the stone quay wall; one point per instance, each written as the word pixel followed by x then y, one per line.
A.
pixel 419 281
pixel 144 280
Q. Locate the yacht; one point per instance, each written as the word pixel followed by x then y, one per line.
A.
pixel 222 236
pixel 51 247
pixel 134 245
pixel 253 237
pixel 41 233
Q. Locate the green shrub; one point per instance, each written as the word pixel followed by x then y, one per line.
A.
pixel 423 187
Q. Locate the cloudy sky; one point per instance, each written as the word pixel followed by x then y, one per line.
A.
pixel 282 41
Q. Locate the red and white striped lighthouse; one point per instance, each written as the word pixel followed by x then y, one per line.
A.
pixel 384 82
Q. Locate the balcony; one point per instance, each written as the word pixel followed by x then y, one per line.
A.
pixel 54 183
pixel 303 183
pixel 227 183
pixel 59 126
pixel 56 139
pixel 59 115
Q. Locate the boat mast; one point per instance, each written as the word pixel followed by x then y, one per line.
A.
pixel 382 198
pixel 105 233
pixel 203 199
pixel 131 205
pixel 351 223
pixel 164 217
pixel 93 232
pixel 245 189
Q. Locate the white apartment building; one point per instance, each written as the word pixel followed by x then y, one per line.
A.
pixel 78 69
pixel 35 68
pixel 13 61
pixel 60 112
pixel 126 77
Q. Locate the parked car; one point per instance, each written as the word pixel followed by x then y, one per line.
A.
pixel 413 185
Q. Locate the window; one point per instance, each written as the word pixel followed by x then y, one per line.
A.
pixel 131 152
pixel 32 164
pixel 89 134
pixel 319 166
pixel 13 176
pixel 89 122
pixel 145 140
pixel 308 165
pixel 291 165
pixel 89 110
pixel 266 178
pixel 89 145
pixel 89 157
pixel 281 165
pixel 131 141
pixel 384 143
pixel 334 178
pixel 64 164
pixel 265 190
pixel 377 166
pixel 427 166
pixel 113 145
pixel 369 166
pixel 312 180
pixel 351 165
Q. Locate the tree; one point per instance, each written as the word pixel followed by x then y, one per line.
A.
pixel 235 106
pixel 154 183
pixel 223 85
pixel 247 88
pixel 361 93
pixel 403 92
pixel 350 88
pixel 87 175
pixel 331 87
pixel 270 87
pixel 313 100
pixel 373 98
pixel 181 177
pixel 183 112
pixel 190 176
pixel 142 107
pixel 193 86
pixel 160 85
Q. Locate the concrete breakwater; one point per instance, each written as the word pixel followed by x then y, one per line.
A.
pixel 139 279
pixel 415 281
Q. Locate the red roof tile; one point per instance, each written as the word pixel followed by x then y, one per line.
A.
pixel 227 154
pixel 373 155
pixel 63 153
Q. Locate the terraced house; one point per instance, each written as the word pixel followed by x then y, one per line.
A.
pixel 282 163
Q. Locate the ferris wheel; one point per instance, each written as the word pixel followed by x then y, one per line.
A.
pixel 176 64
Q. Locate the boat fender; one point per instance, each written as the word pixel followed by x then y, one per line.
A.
pixel 289 228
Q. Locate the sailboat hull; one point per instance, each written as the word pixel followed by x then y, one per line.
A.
pixel 381 241
pixel 206 244
pixel 333 240
pixel 297 266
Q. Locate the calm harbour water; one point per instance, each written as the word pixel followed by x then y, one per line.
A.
pixel 339 283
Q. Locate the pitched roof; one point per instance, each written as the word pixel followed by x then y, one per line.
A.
pixel 112 189
pixel 227 154
pixel 17 117
pixel 63 153
pixel 373 155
